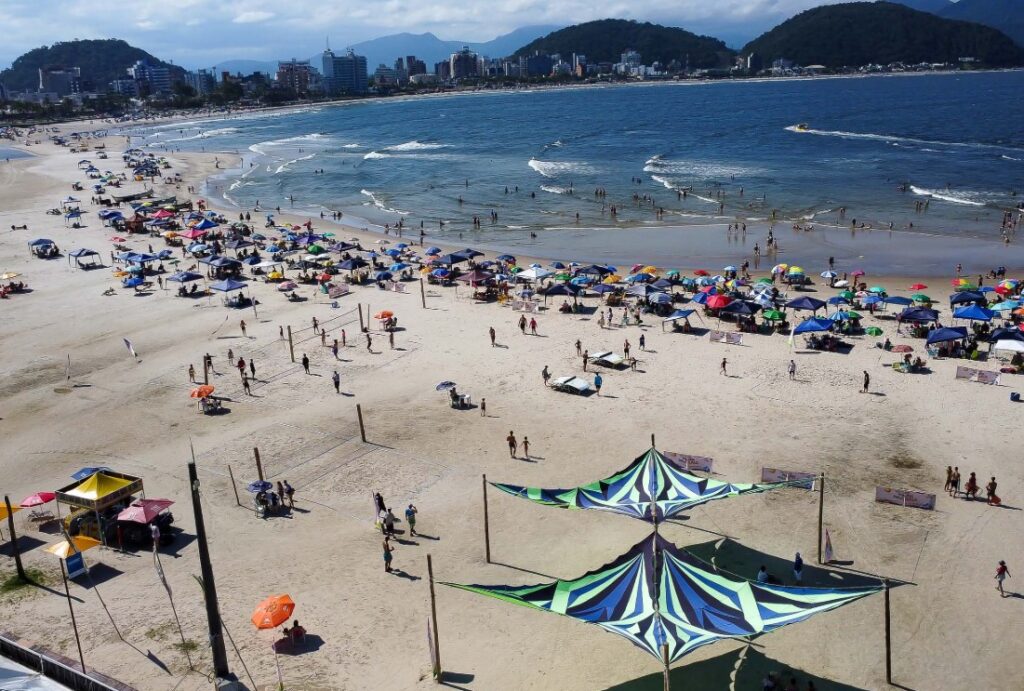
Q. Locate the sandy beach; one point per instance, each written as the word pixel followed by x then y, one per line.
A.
pixel 950 627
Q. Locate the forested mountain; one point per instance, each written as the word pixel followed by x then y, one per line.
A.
pixel 101 61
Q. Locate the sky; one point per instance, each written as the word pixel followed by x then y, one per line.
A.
pixel 196 33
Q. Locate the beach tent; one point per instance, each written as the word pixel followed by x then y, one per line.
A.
pixel 81 254
pixel 184 277
pixel 449 260
pixel 468 253
pixel 747 309
pixel 968 297
pixel 534 274
pixel 1006 334
pixel 227 286
pixel 352 264
pixel 651 488
pixel 897 300
pixel 919 314
pixel 806 303
pixel 947 334
pixel 677 315
pixel 642 290
pixel 475 276
pixel 1013 346
pixel 811 325
pixel 657 594
pixel 221 262
pixel 205 224
pixel 974 312
pixel 40 242
pixel 594 270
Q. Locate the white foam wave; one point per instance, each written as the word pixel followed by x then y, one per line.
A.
pixel 416 146
pixel 893 139
pixel 377 202
pixel 1011 158
pixel 351 146
pixel 205 135
pixel 375 155
pixel 285 167
pixel 945 196
pixel 556 190
pixel 553 169
pixel 702 170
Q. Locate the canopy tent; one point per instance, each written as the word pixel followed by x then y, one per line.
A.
pixel 658 594
pixel 806 303
pixel 227 286
pixel 652 482
pixel 813 324
pixel 99 490
pixel 947 334
pixel 974 312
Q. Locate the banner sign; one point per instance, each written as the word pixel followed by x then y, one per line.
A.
pixel 730 337
pixel 691 463
pixel 905 497
pixel 977 375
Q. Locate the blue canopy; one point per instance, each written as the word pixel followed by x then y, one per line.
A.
pixel 594 269
pixel 83 252
pixel 661 299
pixel 678 314
pixel 352 264
pixel 812 324
pixel 947 334
pixel 468 253
pixel 41 242
pixel 968 297
pixel 562 289
pixel 237 244
pixel 222 262
pixel 806 303
pixel 871 300
pixel 205 224
pixel 1006 334
pixel 184 277
pixel 227 286
pixel 449 259
pixel 88 471
pixel 919 314
pixel 603 288
pixel 748 309
pixel 974 313
pixel 897 300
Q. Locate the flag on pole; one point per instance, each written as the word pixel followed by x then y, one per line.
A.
pixel 158 565
pixel 67 372
pixel 829 554
pixel 131 348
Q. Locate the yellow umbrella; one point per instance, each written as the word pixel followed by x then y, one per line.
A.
pixel 796 270
pixel 614 278
pixel 169 234
pixel 649 270
pixel 8 276
pixel 275 274
pixel 63 549
pixel 3 510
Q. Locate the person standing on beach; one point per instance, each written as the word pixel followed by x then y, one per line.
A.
pixel 336 378
pixel 483 407
pixel 305 363
pixel 388 549
pixel 867 382
pixel 949 478
pixel 513 445
pixel 586 359
pixel 391 339
pixel 598 381
pixel 334 349
pixel 954 482
pixel 241 325
pixel 494 336
pixel 522 323
pixel 1002 571
pixel 545 375
pixel 792 370
pixel 533 325
pixel 643 343
pixel 192 373
pixel 990 492
pixel 526 448
pixel 369 343
pixel 410 518
pixel 579 347
pixel 798 568
pixel 245 385
pixel 721 369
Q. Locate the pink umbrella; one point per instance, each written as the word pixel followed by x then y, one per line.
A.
pixel 193 234
pixel 163 213
pixel 858 272
pixel 38 499
pixel 144 510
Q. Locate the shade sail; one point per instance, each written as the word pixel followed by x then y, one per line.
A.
pixel 652 480
pixel 657 593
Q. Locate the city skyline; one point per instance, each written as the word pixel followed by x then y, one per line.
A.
pixel 265 30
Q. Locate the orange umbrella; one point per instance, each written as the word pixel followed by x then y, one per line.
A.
pixel 65 549
pixel 384 314
pixel 202 391
pixel 273 612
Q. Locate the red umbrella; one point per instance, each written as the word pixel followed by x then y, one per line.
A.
pixel 918 286
pixel 902 349
pixel 701 272
pixel 144 510
pixel 858 272
pixel 717 302
pixel 325 277
pixel 38 499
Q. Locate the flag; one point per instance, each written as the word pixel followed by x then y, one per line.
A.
pixel 131 348
pixel 159 566
pixel 829 554
pixel 67 371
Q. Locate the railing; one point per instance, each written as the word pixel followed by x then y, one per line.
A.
pixel 57 668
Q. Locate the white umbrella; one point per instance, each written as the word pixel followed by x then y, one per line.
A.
pixel 1012 346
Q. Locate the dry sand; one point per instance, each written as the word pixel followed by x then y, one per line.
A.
pixel 951 630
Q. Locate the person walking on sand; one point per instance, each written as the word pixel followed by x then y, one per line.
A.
pixel 545 375
pixel 643 343
pixel 192 373
pixel 334 349
pixel 289 492
pixel 526 448
pixel 792 370
pixel 391 339
pixel 343 344
pixel 388 549
pixel 533 325
pixel 954 482
pixel 513 445
pixel 949 478
pixel 410 518
pixel 586 359
pixel 1002 571
pixel 483 407
pixel 305 363
pixel 598 381
pixel 990 492
pixel 245 385
pixel 241 325
pixel 494 336
pixel 867 382
pixel 579 347
pixel 522 323
pixel 369 343
pixel 625 348
pixel 721 369
pixel 315 325
pixel 336 378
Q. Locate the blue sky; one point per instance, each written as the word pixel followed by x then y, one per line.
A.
pixel 201 32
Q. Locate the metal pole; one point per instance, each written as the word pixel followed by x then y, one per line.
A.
pixel 652 440
pixel 206 368
pixel 888 635
pixel 220 656
pixel 821 514
pixel 259 466
pixel 433 620
pixel 359 306
pixel 487 525
pixel 664 658
pixel 423 294
pixel 14 540
pixel 71 607
pixel 362 429
pixel 291 345
pixel 234 486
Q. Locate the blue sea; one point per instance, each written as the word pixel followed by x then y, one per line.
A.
pixel 868 151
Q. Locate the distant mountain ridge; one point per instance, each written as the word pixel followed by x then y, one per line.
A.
pixel 1005 15
pixel 861 33
pixel 101 61
pixel 605 40
pixel 431 49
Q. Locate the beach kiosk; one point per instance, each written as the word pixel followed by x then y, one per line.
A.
pixel 96 501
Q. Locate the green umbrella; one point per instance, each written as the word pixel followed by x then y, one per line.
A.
pixel 876 289
pixel 853 315
pixel 920 297
pixel 672 272
pixel 773 315
pixel 967 286
pixel 873 331
pixel 764 279
pixel 847 294
pixel 328 235
pixel 315 249
pixel 562 277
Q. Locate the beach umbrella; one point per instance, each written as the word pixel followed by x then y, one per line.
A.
pixel 838 300
pixel 795 271
pixel 202 391
pixel 398 266
pixel 273 612
pixel 773 315
pixel 601 288
pixel 445 386
pixel 873 331
pixel 947 334
pixel 920 297
pixel 37 499
pixel 437 250
pixel 764 280
pixel 871 300
pixel 384 314
pixel 729 268
pixel 840 316
pixel 740 307
pixel 664 299
pixel 965 297
pixel 902 349
pixel 876 289
pixel 562 289
pixel 393 252
pixel 780 268
pixel 1005 305
pixel 286 286
pixel 857 272
pixel 813 324
pixel 700 298
pixel 974 313
pixel 828 274
pixel 847 294
pixel 613 278
pixel 1004 290
pixel 117 238
pixel 144 510
pixel 918 286
pixel 259 486
pixel 718 301
pixel 672 272
pixel 78 543
pixel 382 276
pixel 701 272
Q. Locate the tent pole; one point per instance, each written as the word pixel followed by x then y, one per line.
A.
pixel 487 525
pixel 433 620
pixel 664 657
pixel 888 635
pixel 259 464
pixel 14 541
pixel 71 607
pixel 821 513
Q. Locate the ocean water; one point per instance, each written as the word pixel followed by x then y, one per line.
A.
pixel 874 146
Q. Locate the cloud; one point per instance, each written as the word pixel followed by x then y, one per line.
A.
pixel 253 17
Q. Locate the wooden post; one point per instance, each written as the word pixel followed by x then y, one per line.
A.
pixel 234 486
pixel 14 540
pixel 652 440
pixel 359 306
pixel 821 514
pixel 206 368
pixel 259 466
pixel 291 344
pixel 74 624
pixel 487 526
pixel 888 635
pixel 362 429
pixel 664 657
pixel 423 294
pixel 433 620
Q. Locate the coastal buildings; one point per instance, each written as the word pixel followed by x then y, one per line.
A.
pixel 62 81
pixel 296 76
pixel 464 64
pixel 203 82
pixel 150 79
pixel 344 74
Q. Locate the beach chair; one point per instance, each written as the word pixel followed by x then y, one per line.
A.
pixel 574 385
pixel 608 359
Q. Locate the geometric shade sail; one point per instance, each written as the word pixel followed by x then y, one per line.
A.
pixel 630 492
pixel 658 594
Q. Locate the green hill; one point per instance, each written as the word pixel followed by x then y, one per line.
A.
pixel 862 33
pixel 606 39
pixel 101 61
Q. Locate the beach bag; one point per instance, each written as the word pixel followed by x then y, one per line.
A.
pixel 1015 397
pixel 996 501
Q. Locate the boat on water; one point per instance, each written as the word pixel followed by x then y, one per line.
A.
pixel 802 127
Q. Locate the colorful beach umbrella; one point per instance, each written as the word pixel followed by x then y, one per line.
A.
pixel 273 612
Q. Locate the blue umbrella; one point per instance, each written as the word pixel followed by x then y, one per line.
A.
pixel 132 282
pixel 273 249
pixel 382 276
pixel 393 252
pixel 813 324
pixel 402 245
pixel 501 257
pixel 602 288
pixel 197 247
pixel 838 300
pixel 445 386
pixel 88 472
pixel 839 316
pixel 557 265
pixel 260 486
pixel 871 300
pixel 440 273
pixel 947 334
pixel 437 250
pixel 664 299
pixel 251 261
pixel 184 277
pixel 700 298
pixel 974 313
pixel 399 266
